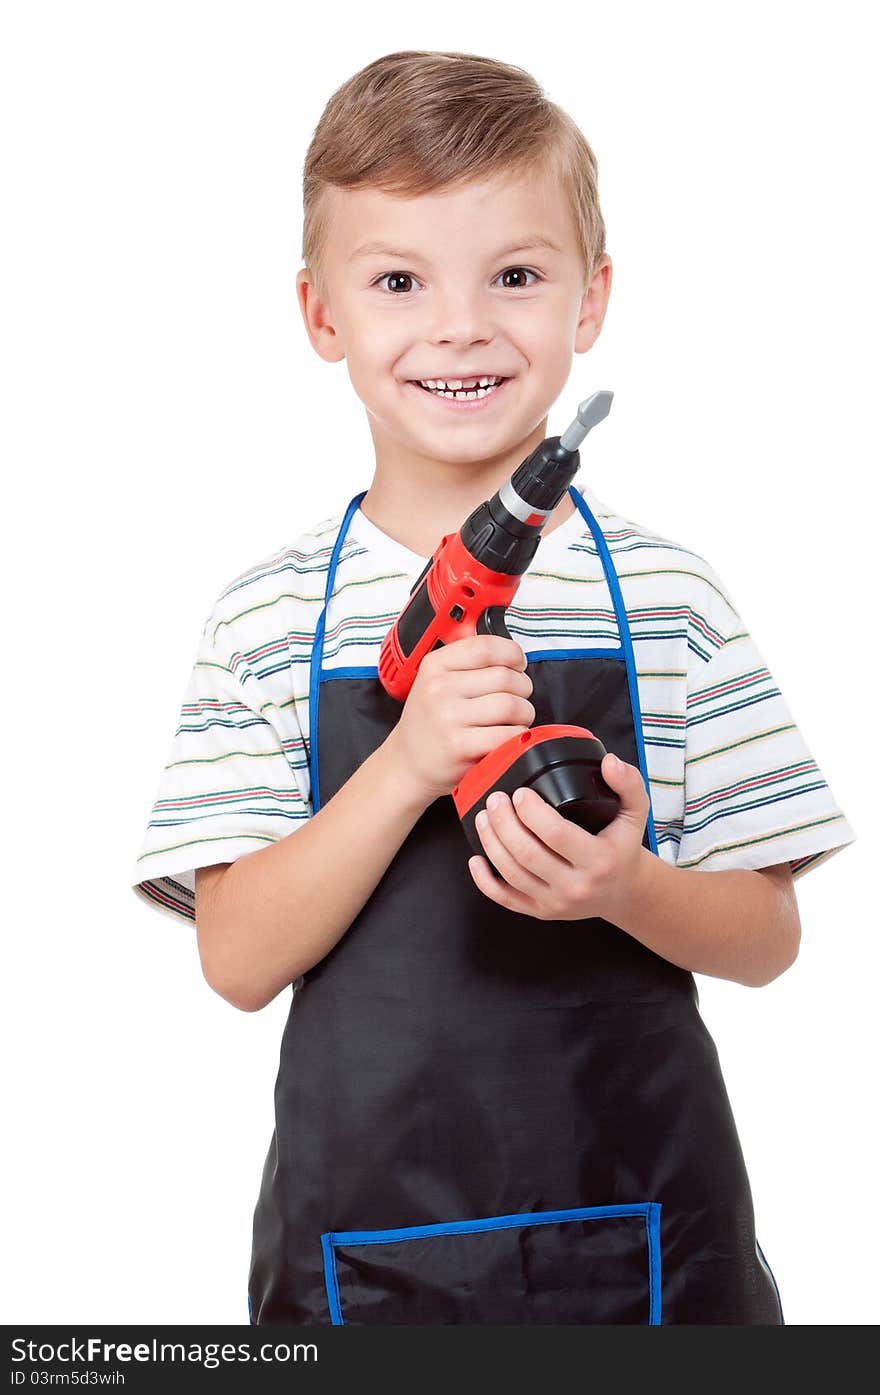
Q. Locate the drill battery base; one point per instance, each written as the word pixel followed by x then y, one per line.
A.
pixel 562 763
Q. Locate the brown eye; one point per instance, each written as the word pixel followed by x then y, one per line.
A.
pixel 395 278
pixel 520 272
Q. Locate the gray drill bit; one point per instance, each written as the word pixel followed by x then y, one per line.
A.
pixel 592 410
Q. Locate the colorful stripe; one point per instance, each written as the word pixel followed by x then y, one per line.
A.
pixel 729 771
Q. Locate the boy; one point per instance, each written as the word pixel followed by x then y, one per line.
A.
pixel 497 1101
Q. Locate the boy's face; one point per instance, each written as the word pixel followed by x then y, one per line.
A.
pixel 462 291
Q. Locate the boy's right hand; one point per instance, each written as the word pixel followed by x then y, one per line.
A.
pixel 467 698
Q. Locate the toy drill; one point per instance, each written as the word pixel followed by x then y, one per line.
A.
pixel 465 590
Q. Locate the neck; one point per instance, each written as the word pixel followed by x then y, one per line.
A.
pixel 417 500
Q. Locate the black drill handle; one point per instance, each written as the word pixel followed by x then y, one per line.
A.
pixel 491 622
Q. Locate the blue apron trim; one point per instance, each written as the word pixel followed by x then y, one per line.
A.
pixel 652 1225
pixel 318 649
pixel 626 642
pixel 650 1210
pixel 516 1218
pixel 331 1280
pixel 316 677
pixel 328 674
pixel 538 654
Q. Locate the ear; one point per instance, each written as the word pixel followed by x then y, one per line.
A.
pixel 593 305
pixel 318 318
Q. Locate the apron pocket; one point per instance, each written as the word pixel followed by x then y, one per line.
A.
pixel 593 1264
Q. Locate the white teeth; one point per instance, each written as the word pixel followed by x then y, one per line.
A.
pixel 465 396
pixel 463 390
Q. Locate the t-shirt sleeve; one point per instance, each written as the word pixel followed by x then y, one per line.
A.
pixel 753 793
pixel 237 776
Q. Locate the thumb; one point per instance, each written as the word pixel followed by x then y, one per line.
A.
pixel 627 783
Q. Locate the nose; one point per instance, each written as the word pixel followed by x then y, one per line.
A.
pixel 460 317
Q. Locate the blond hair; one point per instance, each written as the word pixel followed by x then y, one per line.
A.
pixel 416 121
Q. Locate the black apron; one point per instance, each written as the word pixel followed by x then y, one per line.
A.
pixel 482 1117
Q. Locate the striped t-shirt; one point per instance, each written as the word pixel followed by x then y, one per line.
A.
pixel 732 782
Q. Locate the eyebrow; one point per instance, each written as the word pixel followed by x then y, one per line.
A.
pixel 531 242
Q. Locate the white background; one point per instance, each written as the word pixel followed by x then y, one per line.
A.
pixel 167 425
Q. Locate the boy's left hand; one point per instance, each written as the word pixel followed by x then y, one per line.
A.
pixel 551 868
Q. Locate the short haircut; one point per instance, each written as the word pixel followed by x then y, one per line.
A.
pixel 417 121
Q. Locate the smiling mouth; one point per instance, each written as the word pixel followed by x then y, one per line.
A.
pixel 460 390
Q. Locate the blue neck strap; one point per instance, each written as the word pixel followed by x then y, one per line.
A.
pixel 626 647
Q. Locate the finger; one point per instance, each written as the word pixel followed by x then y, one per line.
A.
pixel 628 784
pixel 567 840
pixel 524 843
pixel 481 740
pixel 498 890
pixel 502 857
pixel 479 651
pixel 497 678
pixel 499 709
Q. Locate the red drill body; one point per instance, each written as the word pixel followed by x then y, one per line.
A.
pixel 449 600
pixel 465 590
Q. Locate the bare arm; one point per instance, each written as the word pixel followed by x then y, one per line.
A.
pixel 738 924
pixel 271 915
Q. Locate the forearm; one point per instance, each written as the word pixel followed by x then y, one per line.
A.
pixel 737 924
pixel 274 913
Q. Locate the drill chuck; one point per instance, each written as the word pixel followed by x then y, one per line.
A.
pixel 526 501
